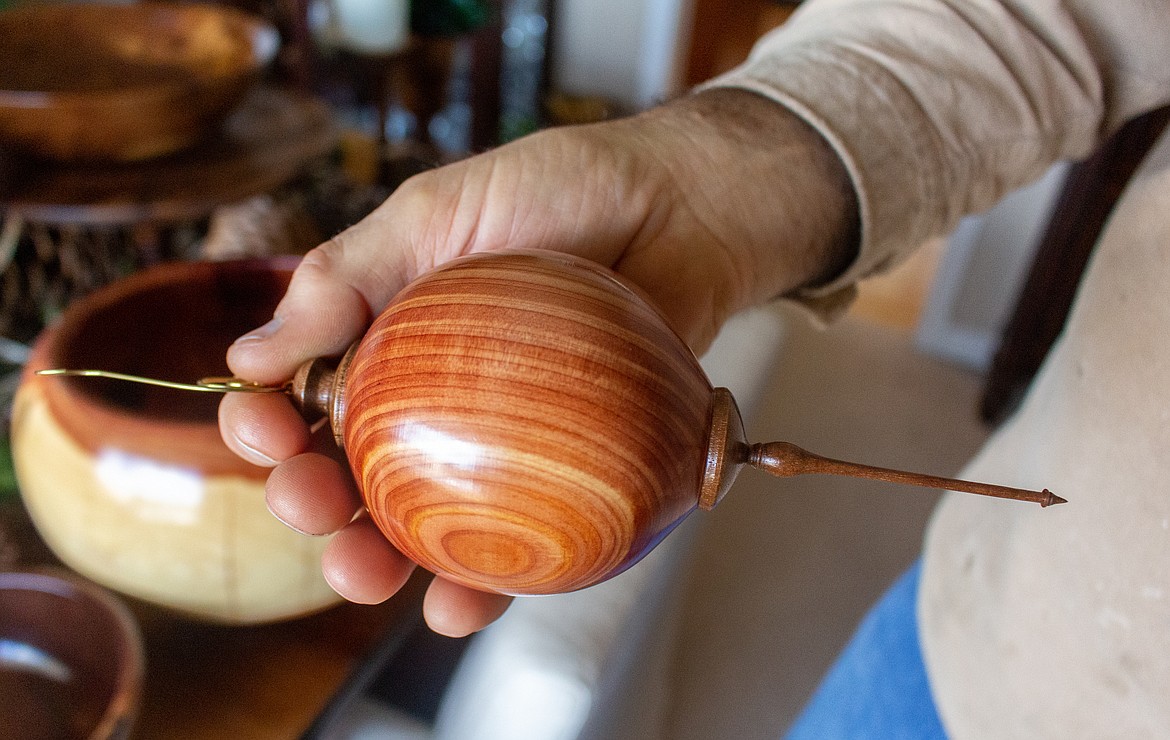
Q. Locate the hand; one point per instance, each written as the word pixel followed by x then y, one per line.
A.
pixel 709 204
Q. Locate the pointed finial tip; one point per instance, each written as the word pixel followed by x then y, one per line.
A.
pixel 1052 499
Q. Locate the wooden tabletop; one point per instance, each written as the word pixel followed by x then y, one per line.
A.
pixel 266 142
pixel 271 681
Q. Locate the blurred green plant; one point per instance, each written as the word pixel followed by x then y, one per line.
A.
pixel 7 471
pixel 446 17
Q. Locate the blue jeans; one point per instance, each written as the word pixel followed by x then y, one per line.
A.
pixel 878 686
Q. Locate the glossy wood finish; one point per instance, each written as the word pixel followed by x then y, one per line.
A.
pixel 132 485
pixel 174 321
pixel 72 667
pixel 525 423
pixel 123 82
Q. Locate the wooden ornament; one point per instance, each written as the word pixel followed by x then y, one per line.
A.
pixel 525 423
pixel 528 423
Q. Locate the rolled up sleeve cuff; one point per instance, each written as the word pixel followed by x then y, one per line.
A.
pixel 893 178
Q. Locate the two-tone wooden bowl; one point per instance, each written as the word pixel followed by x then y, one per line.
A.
pixel 132 485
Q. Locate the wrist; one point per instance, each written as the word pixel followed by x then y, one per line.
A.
pixel 775 192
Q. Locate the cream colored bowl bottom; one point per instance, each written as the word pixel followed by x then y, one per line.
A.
pixel 206 546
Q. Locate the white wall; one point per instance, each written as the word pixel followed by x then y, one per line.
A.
pixel 982 271
pixel 630 51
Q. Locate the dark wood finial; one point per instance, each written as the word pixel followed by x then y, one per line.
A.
pixel 784 459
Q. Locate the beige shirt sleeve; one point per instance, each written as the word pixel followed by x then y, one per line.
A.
pixel 939 108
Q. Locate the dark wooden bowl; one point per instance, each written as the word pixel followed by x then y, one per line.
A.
pixel 123 82
pixel 73 660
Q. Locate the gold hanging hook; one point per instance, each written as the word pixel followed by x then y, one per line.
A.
pixel 205 385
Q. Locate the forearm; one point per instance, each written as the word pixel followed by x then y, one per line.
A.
pixel 762 177
pixel 753 203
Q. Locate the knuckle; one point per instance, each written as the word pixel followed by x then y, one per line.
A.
pixel 323 259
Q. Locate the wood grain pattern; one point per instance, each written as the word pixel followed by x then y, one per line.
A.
pixel 525 423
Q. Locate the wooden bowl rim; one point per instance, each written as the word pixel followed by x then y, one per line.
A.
pixel 183 436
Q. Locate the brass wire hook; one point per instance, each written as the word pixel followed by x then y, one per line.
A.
pixel 206 385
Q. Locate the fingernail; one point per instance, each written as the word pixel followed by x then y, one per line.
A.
pixel 262 333
pixel 254 456
pixel 281 519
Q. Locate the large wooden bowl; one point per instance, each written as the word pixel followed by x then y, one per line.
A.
pixel 132 485
pixel 123 82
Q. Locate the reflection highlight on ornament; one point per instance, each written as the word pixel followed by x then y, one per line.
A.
pixel 448 458
pixel 441 448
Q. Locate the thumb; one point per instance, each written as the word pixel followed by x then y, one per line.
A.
pixel 329 303
pixel 340 285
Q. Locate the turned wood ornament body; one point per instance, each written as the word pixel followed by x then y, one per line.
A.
pixel 528 423
pixel 522 422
